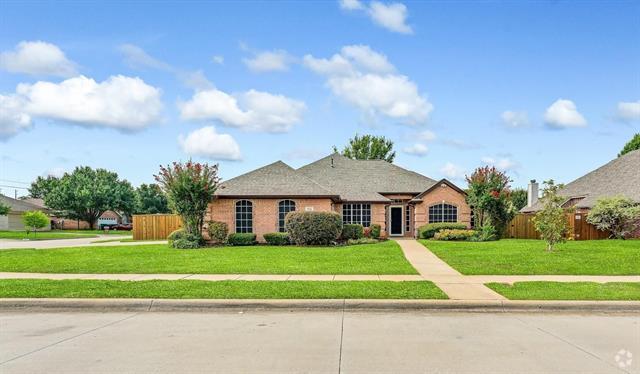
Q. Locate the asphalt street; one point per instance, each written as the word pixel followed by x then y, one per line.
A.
pixel 319 342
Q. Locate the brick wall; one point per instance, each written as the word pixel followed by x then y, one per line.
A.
pixel 440 194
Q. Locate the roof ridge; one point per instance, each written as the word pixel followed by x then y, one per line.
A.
pixel 261 168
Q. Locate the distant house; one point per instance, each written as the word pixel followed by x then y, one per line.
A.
pixel 362 192
pixel 107 218
pixel 13 220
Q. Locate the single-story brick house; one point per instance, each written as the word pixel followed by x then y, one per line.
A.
pixel 364 192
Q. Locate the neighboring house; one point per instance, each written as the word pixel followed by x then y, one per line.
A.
pixel 13 220
pixel 619 177
pixel 107 218
pixel 362 192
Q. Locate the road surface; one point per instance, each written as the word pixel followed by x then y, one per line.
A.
pixel 319 342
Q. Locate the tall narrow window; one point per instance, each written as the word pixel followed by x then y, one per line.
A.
pixel 284 207
pixel 357 214
pixel 407 218
pixel 244 216
pixel 443 213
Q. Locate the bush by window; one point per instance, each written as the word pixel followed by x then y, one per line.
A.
pixel 313 228
pixel 218 232
pixel 448 234
pixel 244 238
pixel 277 238
pixel 429 230
pixel 351 231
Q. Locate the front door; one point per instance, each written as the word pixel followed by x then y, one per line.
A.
pixel 396 220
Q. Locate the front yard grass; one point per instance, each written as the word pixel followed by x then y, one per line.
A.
pixel 528 257
pixel 43 235
pixel 382 258
pixel 568 291
pixel 195 289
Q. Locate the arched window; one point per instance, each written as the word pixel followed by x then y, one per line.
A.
pixel 284 207
pixel 443 213
pixel 244 216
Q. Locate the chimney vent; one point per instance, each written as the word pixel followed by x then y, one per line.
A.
pixel 532 193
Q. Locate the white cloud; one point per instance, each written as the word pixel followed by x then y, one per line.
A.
pixel 13 119
pixel 452 171
pixel 206 142
pixel 268 61
pixel 137 58
pixel 426 136
pixel 391 16
pixel 251 110
pixel 417 149
pixel 503 164
pixel 119 102
pixel 563 113
pixel 515 119
pixel 218 59
pixel 363 78
pixel 628 112
pixel 351 4
pixel 37 58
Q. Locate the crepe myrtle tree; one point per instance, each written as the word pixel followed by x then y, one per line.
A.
pixel 488 192
pixel 189 188
pixel 551 221
pixel 87 193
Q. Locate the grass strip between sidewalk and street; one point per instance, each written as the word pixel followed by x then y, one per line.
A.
pixel 528 257
pixel 196 289
pixel 568 290
pixel 380 258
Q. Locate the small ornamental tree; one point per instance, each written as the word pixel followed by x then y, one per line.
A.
pixel 34 220
pixel 551 221
pixel 189 188
pixel 488 192
pixel 4 209
pixel 617 214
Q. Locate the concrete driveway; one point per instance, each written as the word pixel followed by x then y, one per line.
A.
pixel 80 242
pixel 318 342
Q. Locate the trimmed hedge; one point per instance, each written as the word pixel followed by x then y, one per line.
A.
pixel 454 234
pixel 218 232
pixel 352 231
pixel 375 231
pixel 362 241
pixel 277 238
pixel 242 239
pixel 180 239
pixel 429 230
pixel 313 228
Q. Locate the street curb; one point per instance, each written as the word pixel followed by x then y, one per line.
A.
pixel 198 305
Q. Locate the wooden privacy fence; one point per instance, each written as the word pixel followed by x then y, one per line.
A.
pixel 521 227
pixel 155 226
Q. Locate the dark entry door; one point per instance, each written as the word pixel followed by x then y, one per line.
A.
pixel 396 220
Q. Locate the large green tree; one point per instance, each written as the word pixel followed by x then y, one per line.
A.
pixel 87 193
pixel 42 186
pixel 518 198
pixel 488 194
pixel 369 147
pixel 632 145
pixel 151 200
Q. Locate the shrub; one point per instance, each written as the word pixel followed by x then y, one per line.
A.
pixel 617 214
pixel 362 241
pixel 242 239
pixel 277 238
pixel 454 234
pixel 352 231
pixel 486 233
pixel 176 234
pixel 218 232
pixel 313 228
pixel 367 232
pixel 190 242
pixel 429 230
pixel 375 231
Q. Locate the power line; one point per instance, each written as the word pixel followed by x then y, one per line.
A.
pixel 12 181
pixel 5 185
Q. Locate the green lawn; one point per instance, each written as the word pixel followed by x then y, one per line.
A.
pixel 528 257
pixel 96 232
pixel 382 258
pixel 42 235
pixel 567 291
pixel 194 289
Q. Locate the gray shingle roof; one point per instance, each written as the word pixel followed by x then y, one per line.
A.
pixel 618 177
pixel 332 176
pixel 277 179
pixel 20 205
pixel 360 180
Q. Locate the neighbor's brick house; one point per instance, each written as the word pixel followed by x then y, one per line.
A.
pixel 364 192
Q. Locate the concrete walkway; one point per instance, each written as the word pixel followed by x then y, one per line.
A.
pixel 66 243
pixel 444 276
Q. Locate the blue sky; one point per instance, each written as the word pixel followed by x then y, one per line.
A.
pixel 540 89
